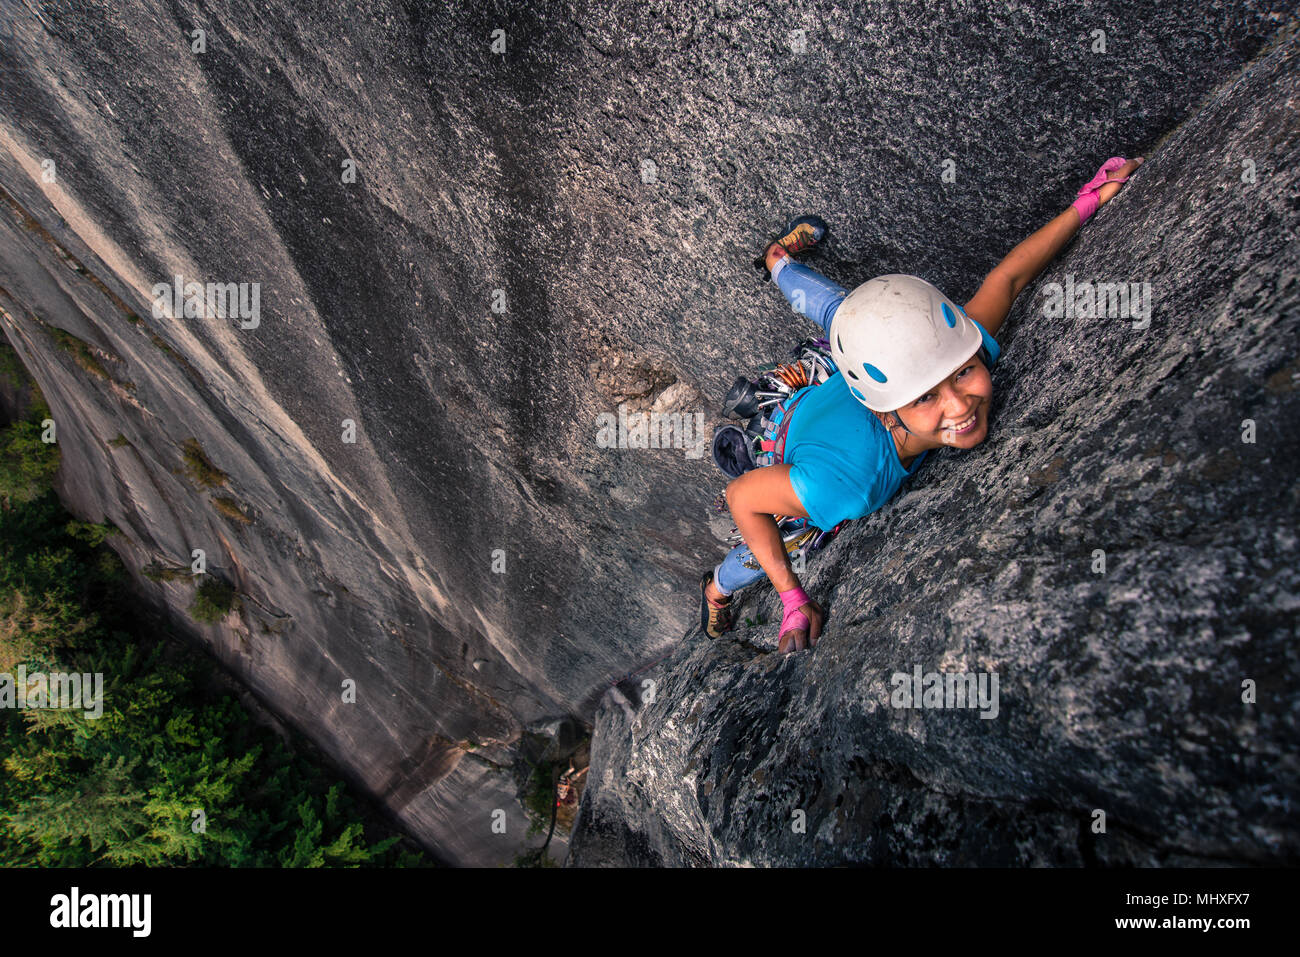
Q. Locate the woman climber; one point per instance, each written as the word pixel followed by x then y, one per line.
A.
pixel 912 376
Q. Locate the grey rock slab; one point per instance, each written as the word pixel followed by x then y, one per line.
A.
pixel 611 171
pixel 1154 694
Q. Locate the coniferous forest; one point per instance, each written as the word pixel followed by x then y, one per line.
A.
pixel 175 772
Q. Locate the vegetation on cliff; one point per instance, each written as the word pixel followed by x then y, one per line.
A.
pixel 174 771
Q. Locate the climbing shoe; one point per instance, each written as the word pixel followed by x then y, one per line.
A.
pixel 715 619
pixel 801 235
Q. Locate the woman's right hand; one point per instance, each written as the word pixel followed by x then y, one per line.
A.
pixel 798 639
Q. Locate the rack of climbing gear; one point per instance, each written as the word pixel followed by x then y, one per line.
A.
pixel 765 399
pixel 762 400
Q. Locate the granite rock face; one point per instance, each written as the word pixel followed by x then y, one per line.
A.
pixel 469 245
pixel 1121 554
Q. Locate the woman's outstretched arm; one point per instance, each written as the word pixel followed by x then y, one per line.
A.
pixel 1020 266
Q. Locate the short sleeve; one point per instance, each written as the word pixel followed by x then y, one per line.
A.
pixel 990 343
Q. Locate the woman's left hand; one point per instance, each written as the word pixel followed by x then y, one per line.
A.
pixel 1110 189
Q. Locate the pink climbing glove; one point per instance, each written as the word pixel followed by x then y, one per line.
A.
pixel 794 619
pixel 1088 200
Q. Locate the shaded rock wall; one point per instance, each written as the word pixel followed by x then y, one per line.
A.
pixel 1120 686
pixel 611 171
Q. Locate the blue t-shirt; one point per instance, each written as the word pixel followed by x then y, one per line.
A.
pixel 844 462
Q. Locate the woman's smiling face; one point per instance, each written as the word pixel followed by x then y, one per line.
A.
pixel 943 416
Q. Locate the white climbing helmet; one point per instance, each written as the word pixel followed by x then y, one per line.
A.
pixel 895 337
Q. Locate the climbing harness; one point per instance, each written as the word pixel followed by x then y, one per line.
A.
pixel 765 401
pixel 768 401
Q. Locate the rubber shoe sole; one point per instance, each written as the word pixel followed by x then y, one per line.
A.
pixel 801 234
pixel 714 622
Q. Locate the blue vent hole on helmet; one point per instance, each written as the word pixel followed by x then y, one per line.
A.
pixel 948 316
pixel 874 372
pixel 861 397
